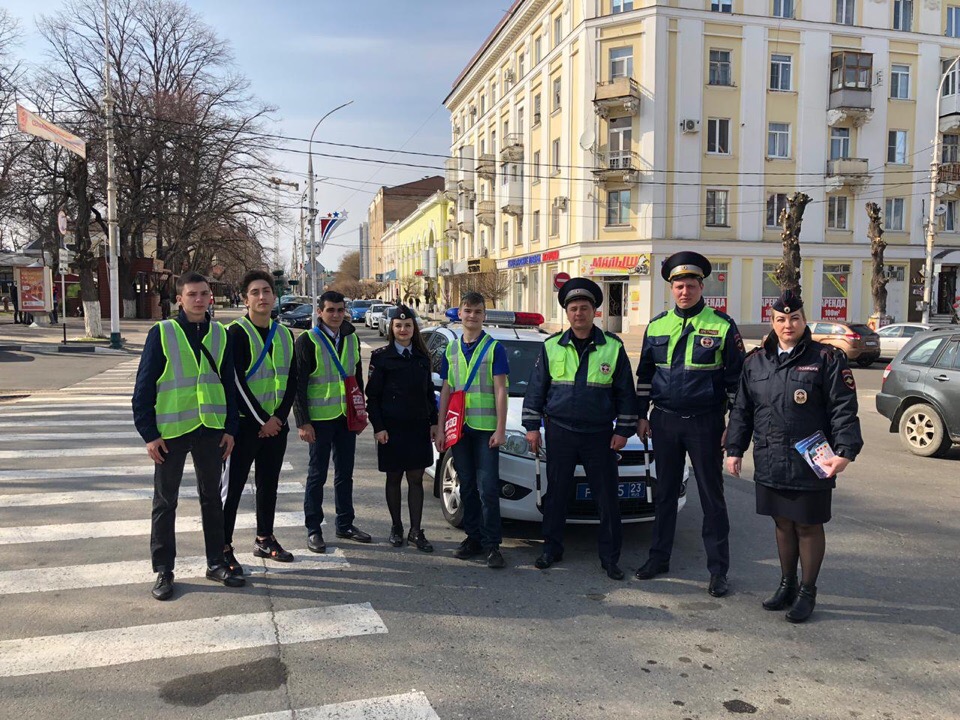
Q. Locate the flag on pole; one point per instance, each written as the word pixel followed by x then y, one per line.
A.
pixel 36 125
pixel 328 223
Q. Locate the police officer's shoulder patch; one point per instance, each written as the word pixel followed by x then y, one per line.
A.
pixel 658 317
pixel 723 315
pixel 755 352
pixel 613 336
pixel 739 342
pixel 847 375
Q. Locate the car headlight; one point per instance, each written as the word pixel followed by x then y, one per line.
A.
pixel 516 444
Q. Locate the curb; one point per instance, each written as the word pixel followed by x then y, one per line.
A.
pixel 51 349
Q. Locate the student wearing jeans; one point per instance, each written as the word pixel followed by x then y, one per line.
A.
pixel 477 455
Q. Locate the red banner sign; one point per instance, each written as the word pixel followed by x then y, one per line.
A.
pixel 550 256
pixel 32 295
pixel 766 309
pixel 833 308
pixel 717 303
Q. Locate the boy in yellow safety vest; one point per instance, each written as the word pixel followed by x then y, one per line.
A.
pixel 184 402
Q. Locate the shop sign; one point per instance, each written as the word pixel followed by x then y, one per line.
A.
pixel 833 308
pixel 522 261
pixel 616 265
pixel 30 281
pixel 390 275
pixel 717 303
pixel 766 308
pixel 550 256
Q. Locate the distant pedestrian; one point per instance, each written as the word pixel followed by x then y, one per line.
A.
pixel 402 408
pixel 15 299
pixel 165 300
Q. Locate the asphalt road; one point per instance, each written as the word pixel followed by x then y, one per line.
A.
pixel 369 631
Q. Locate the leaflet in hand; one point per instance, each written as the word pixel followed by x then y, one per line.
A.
pixel 815 449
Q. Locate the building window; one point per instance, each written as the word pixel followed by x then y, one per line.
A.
pixel 776 203
pixel 850 70
pixel 950 218
pixel 505 237
pixel 951 149
pixel 903 15
pixel 778 140
pixel 536 109
pixel 724 6
pixel 953 21
pixel 493 141
pixel 718 136
pixel 521 64
pixel 506 128
pixel 555 156
pixel 893 214
pixel 557 30
pixel 621 62
pixel 717 208
pixel 557 87
pixel 781 72
pixel 897 147
pixel 783 8
pixel 520 118
pixel 536 226
pixel 839 143
pixel 837 212
pixel 900 82
pixel 720 73
pixel 483 104
pixel 504 173
pixel 845 11
pixel 950 84
pixel 536 166
pixel 537 49
pixel 555 219
pixel 620 6
pixel 618 207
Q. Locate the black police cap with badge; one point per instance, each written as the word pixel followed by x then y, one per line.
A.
pixel 788 302
pixel 402 313
pixel 580 288
pixel 685 264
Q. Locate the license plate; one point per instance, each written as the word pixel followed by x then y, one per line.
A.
pixel 625 491
pixel 871 344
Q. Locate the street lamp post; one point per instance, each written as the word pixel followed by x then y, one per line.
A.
pixel 312 210
pixel 931 210
pixel 113 243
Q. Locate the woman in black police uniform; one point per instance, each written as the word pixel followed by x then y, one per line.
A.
pixel 403 410
pixel 790 388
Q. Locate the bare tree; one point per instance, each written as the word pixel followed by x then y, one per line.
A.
pixel 12 144
pixel 879 279
pixel 791 219
pixel 493 285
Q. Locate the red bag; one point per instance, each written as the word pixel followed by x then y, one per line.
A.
pixel 356 404
pixel 453 423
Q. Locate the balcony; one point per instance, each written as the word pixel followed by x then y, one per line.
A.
pixel 950 107
pixel 618 97
pixel 487 212
pixel 451 177
pixel 465 168
pixel 620 166
pixel 452 232
pixel 512 150
pixel 511 196
pixel 465 212
pixel 948 180
pixel 851 94
pixel 487 166
pixel 846 173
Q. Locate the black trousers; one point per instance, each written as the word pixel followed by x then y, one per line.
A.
pixel 699 437
pixel 268 454
pixel 203 445
pixel 565 450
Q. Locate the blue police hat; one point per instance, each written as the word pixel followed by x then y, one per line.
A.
pixel 403 313
pixel 685 264
pixel 580 288
pixel 788 302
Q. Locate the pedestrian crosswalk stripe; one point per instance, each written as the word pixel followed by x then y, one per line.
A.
pixel 58 399
pixel 82 435
pixel 145 471
pixel 408 706
pixel 80 427
pixel 130 572
pixel 124 528
pixel 117 646
pixel 122 410
pixel 73 452
pixel 78 497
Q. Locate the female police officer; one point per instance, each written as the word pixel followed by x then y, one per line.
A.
pixel 790 388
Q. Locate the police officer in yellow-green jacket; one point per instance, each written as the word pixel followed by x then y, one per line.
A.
pixel 689 369
pixel 184 402
pixel 581 389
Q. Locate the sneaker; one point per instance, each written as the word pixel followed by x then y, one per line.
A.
pixel 222 574
pixel 468 549
pixel 417 538
pixel 231 560
pixel 495 559
pixel 163 588
pixel 396 536
pixel 270 548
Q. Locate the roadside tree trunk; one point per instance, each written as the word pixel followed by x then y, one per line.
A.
pixel 791 219
pixel 878 279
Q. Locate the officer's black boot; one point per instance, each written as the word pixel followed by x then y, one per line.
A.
pixel 804 604
pixel 784 595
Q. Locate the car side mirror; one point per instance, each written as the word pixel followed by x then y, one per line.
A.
pixel 437 381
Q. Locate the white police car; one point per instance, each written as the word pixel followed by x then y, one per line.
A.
pixel 520 336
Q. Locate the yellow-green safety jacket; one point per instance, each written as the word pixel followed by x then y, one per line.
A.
pixel 326 397
pixel 479 401
pixel 269 383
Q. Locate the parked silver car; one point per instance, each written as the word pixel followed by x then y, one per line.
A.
pixel 894 337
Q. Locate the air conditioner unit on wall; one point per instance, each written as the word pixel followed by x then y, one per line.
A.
pixel 508 75
pixel 690 125
pixel 560 202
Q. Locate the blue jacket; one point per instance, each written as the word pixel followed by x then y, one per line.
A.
pixel 152 364
pixel 577 407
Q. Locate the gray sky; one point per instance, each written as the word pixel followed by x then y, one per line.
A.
pixel 396 61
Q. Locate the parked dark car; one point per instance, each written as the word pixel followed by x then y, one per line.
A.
pixel 299 317
pixel 859 343
pixel 286 303
pixel 920 394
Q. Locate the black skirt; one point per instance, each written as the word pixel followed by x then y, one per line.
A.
pixel 410 446
pixel 809 507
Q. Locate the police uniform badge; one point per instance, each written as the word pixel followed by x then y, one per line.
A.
pixel 848 379
pixel 605 368
pixel 707 342
pixel 800 397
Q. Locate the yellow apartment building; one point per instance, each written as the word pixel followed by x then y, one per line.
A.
pixel 599 137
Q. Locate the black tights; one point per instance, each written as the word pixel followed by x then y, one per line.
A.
pixel 806 543
pixel 414 497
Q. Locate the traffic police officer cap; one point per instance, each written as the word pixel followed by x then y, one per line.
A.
pixel 788 302
pixel 403 313
pixel 683 265
pixel 580 288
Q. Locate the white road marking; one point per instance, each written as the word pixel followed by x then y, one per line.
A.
pixel 125 528
pixel 123 410
pixel 408 706
pixel 137 449
pixel 57 399
pixel 124 422
pixel 131 572
pixel 31 437
pixel 119 495
pixel 145 471
pixel 117 646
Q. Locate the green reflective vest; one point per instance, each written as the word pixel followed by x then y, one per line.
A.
pixel 326 396
pixel 269 383
pixel 564 361
pixel 480 402
pixel 707 333
pixel 190 395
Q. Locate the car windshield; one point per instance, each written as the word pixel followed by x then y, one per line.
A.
pixel 302 309
pixel 862 329
pixel 522 357
pixel 379 308
pixel 360 304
